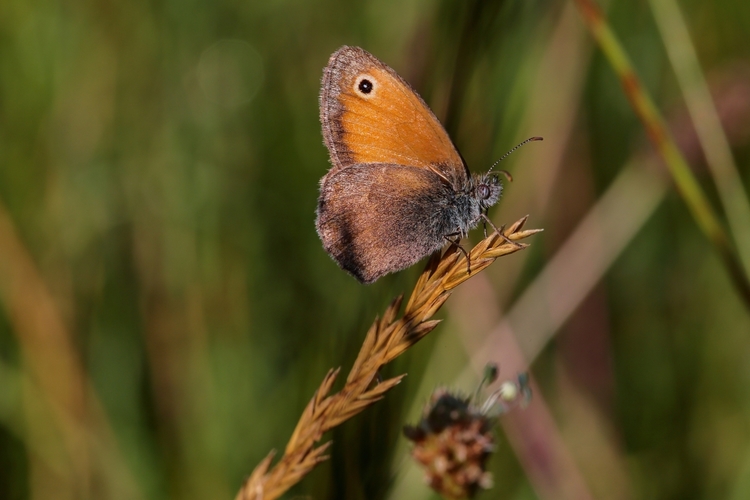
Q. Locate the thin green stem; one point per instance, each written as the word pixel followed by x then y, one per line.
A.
pixel 643 105
pixel 700 105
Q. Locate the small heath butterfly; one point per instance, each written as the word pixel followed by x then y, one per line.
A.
pixel 398 190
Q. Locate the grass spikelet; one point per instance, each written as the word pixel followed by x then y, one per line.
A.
pixel 387 338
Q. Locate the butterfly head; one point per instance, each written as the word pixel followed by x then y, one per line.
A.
pixel 487 189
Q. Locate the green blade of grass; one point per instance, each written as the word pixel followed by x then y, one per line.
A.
pixel 681 52
pixel 653 122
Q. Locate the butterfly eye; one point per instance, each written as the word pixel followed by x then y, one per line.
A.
pixel 365 86
pixel 483 191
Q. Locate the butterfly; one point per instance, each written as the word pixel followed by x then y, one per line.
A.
pixel 398 189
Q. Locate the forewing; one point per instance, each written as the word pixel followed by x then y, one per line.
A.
pixel 389 124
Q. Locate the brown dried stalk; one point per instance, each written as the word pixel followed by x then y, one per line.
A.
pixel 387 339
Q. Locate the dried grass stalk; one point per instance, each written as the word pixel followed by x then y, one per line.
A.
pixel 387 339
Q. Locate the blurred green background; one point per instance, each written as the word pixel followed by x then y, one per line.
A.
pixel 167 310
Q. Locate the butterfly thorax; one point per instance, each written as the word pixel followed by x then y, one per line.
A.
pixel 462 209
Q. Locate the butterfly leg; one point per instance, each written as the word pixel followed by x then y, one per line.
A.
pixel 457 244
pixel 500 231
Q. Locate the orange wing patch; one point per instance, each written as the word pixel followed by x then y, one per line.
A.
pixel 370 115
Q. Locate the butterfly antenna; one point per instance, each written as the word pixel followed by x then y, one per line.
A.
pixel 530 139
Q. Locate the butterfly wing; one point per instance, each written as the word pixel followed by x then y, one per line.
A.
pixel 371 115
pixel 375 219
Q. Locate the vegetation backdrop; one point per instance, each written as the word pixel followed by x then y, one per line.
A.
pixel 167 310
